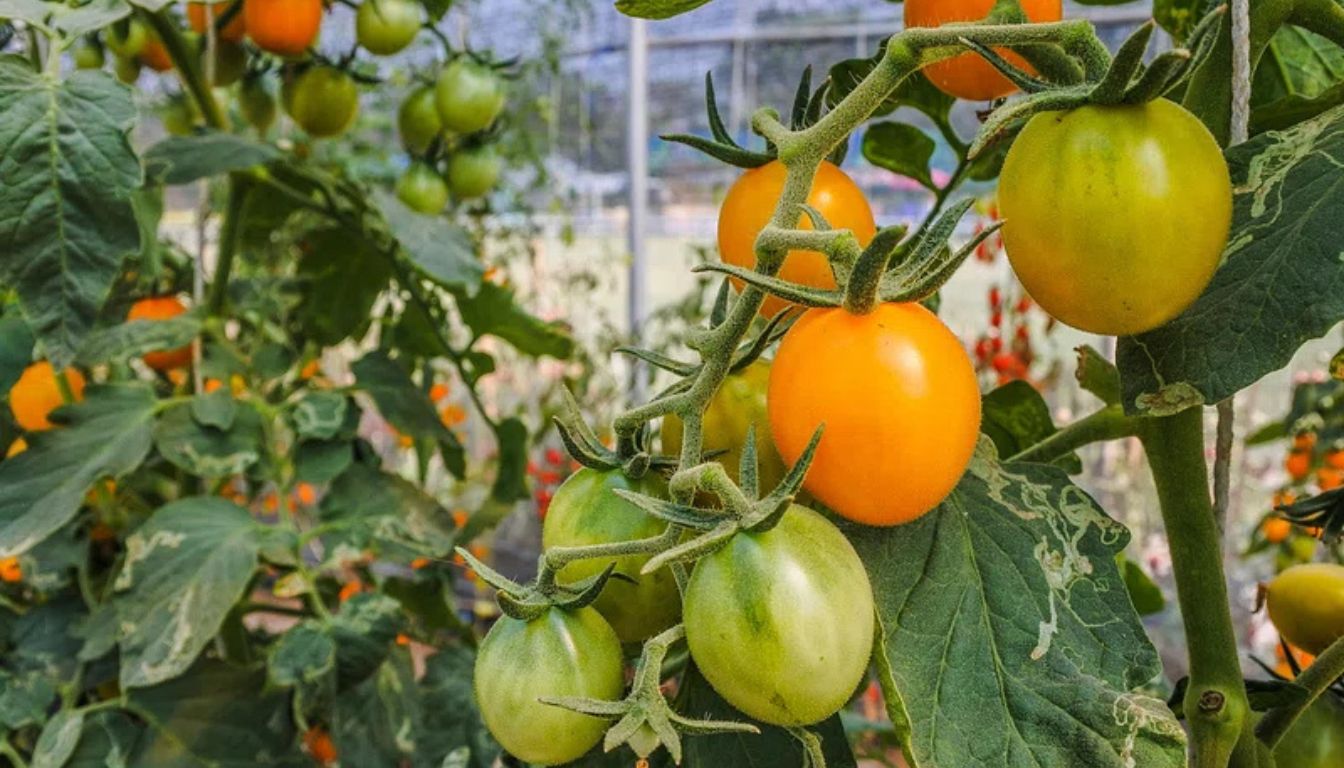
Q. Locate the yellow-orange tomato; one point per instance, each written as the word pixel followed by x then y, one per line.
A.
pixel 310 369
pixel 969 76
pixel 1306 604
pixel 283 27
pixel 232 32
pixel 438 392
pixel 155 56
pixel 36 394
pixel 349 590
pixel 751 202
pixel 898 397
pixel 305 494
pixel 10 572
pixel 15 448
pixel 1276 529
pixel 1298 464
pixel 161 308
pixel 1329 478
pixel 320 746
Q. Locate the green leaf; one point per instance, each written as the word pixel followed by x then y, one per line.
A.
pixel 1298 78
pixel 451 719
pixel 218 716
pixel 1016 417
pixel 208 451
pixel 216 409
pixel 65 213
pixel 406 406
pixel 657 9
pixel 320 415
pixel 184 159
pixel 1143 592
pixel 493 311
pixel 24 698
pixel 443 251
pixel 108 434
pixel 902 149
pixel 372 723
pixel 42 639
pixel 107 740
pixel 332 306
pixel 59 738
pixel 1006 634
pixel 368 505
pixel 363 632
pixel 1178 17
pixel 136 337
pixel 303 656
pixel 184 570
pixel 1281 283
pixel 16 349
pixel 321 461
pixel 511 476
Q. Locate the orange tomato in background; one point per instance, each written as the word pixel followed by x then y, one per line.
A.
pixel 155 56
pixel 36 394
pixel 283 27
pixel 232 32
pixel 900 404
pixel 161 308
pixel 969 76
pixel 751 203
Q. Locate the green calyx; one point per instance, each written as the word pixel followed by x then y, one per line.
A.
pixel 527 602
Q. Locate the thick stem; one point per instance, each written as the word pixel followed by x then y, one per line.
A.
pixel 228 244
pixel 1216 708
pixel 187 65
pixel 1320 675
pixel 1110 423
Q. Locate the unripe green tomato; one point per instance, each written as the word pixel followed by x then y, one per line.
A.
pixel 422 189
pixel 230 62
pixel 737 408
pixel 585 511
pixel 1306 604
pixel 257 104
pixel 1316 740
pixel 89 57
pixel 418 120
pixel 385 27
pixel 469 96
pixel 179 117
pixel 325 101
pixel 559 654
pixel 128 69
pixel 127 38
pixel 780 622
pixel 473 172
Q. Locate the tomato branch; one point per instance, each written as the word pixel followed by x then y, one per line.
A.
pixel 1316 678
pixel 1110 423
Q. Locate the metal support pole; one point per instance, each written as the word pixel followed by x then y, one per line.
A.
pixel 637 150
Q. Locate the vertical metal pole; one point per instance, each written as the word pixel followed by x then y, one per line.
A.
pixel 637 150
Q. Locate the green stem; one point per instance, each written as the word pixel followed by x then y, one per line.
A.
pixel 1316 678
pixel 8 750
pixel 34 51
pixel 1110 423
pixel 188 66
pixel 1216 708
pixel 228 244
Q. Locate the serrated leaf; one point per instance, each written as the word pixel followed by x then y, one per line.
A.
pixel 184 570
pixel 1015 417
pixel 108 434
pixel 65 213
pixel 366 505
pixel 320 415
pixel 1006 635
pixel 58 740
pixel 136 337
pixel 208 451
pixel 451 719
pixel 406 406
pixel 1280 284
pixel 657 9
pixel 184 159
pixel 902 149
pixel 443 251
pixel 494 311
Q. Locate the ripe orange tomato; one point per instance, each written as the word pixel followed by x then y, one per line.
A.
pixel 36 394
pixel 1298 464
pixel 10 570
pixel 1276 529
pixel 15 448
pixel 320 746
pixel 969 76
pixel 232 32
pixel 1329 478
pixel 155 56
pixel 1335 459
pixel 161 308
pixel 751 202
pixel 898 397
pixel 283 27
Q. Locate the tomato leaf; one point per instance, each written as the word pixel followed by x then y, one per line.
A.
pixel 902 149
pixel 108 434
pixel 366 505
pixel 494 311
pixel 16 349
pixel 184 159
pixel 136 337
pixel 657 9
pixel 1280 284
pixel 332 306
pixel 1006 635
pixel 1143 592
pixel 406 406
pixel 1016 417
pixel 208 451
pixel 65 208
pixel 320 415
pixel 363 630
pixel 370 721
pixel 107 738
pixel 440 249
pixel 184 570
pixel 58 740
pixel 451 719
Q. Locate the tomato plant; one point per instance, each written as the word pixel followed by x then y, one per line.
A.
pixel 473 172
pixel 161 308
pixel 968 76
pixel 469 96
pixel 418 120
pixel 423 189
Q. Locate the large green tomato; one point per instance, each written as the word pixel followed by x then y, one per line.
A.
pixel 737 408
pixel 1306 604
pixel 418 120
pixel 1316 740
pixel 781 622
pixel 88 56
pixel 325 101
pixel 586 511
pixel 423 189
pixel 385 27
pixel 1115 218
pixel 561 653
pixel 469 96
pixel 473 172
pixel 127 38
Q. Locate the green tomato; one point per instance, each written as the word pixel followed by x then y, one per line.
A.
pixel 89 57
pixel 127 38
pixel 1316 740
pixel 180 116
pixel 385 27
pixel 1306 604
pixel 128 69
pixel 230 62
pixel 737 408
pixel 325 101
pixel 560 653
pixel 473 172
pixel 418 121
pixel 423 189
pixel 469 96
pixel 586 511
pixel 781 622
pixel 257 104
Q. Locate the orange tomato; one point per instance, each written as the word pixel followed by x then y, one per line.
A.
pixel 306 494
pixel 1276 529
pixel 283 27
pixel 310 369
pixel 10 572
pixel 1304 441
pixel 349 590
pixel 438 392
pixel 1284 497
pixel 155 56
pixel 750 204
pixel 419 563
pixel 320 746
pixel 452 415
pixel 211 385
pixel 1329 478
pixel 1298 465
pixel 1335 459
pixel 161 308
pixel 36 394
pixel 15 448
pixel 900 404
pixel 969 76
pixel 232 32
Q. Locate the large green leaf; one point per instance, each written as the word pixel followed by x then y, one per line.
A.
pixel 406 406
pixel 332 306
pixel 184 569
pixel 218 716
pixel 493 311
pixel 1300 76
pixel 902 149
pixel 451 719
pixel 1281 283
pixel 107 740
pixel 66 219
pixel 184 159
pixel 106 434
pixel 16 349
pixel 208 451
pixel 136 337
pixel 363 630
pixel 59 738
pixel 378 721
pixel 439 248
pixel 366 505
pixel 1007 637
